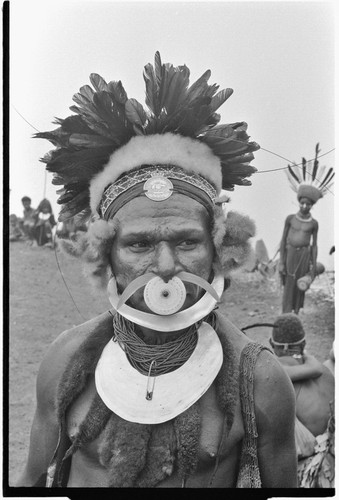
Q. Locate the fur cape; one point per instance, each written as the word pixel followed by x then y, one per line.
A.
pixel 141 455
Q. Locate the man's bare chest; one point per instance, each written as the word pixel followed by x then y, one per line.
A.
pixel 86 467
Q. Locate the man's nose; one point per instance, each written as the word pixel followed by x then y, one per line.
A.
pixel 166 263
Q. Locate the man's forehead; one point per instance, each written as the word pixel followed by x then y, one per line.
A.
pixel 176 206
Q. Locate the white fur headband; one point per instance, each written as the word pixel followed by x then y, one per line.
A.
pixel 160 149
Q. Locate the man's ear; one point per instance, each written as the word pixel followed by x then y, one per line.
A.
pixel 231 240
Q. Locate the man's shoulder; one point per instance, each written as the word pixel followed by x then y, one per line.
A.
pixel 63 348
pixel 74 336
pixel 231 332
pixel 269 375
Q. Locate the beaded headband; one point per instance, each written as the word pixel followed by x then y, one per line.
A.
pixel 286 344
pixel 156 182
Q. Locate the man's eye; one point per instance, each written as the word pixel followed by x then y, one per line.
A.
pixel 188 243
pixel 139 245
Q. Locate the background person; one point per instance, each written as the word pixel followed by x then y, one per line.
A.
pixel 312 381
pixel 15 231
pixel 44 224
pixel 298 247
pixel 29 219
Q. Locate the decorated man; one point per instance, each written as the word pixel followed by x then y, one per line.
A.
pixel 298 247
pixel 162 390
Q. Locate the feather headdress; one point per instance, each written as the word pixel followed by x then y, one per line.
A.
pixel 107 126
pixel 309 180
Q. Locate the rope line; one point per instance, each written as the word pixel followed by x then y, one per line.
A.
pixel 62 275
pixel 290 161
pixel 25 119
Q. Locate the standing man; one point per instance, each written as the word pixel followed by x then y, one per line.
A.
pixel 162 390
pixel 298 247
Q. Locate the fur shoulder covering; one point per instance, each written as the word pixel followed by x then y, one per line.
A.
pixel 231 237
pixel 141 455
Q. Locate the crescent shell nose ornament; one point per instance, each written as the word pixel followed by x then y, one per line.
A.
pixel 165 299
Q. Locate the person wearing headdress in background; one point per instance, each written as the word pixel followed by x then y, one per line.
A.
pixel 161 390
pixel 44 224
pixel 298 246
pixel 313 383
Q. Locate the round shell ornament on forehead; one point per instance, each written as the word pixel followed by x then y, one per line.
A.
pixel 158 188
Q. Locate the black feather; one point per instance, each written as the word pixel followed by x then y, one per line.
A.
pixel 304 164
pixel 118 92
pixel 98 82
pixel 135 113
pixel 152 90
pixel 105 119
pixel 316 163
pixel 327 178
pixel 295 177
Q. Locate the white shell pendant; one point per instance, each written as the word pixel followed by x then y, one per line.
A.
pixel 152 400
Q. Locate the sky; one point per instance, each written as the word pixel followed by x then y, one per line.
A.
pixel 277 56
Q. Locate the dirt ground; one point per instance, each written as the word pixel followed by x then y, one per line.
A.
pixel 41 308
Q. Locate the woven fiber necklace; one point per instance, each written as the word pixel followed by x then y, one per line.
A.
pixel 155 359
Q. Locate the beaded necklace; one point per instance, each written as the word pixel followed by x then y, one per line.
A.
pixel 304 220
pixel 155 359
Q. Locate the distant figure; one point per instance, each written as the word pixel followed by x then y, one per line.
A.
pixel 298 253
pixel 45 223
pixel 29 219
pixel 298 247
pixel 314 389
pixel 15 232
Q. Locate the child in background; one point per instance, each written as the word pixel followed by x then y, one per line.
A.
pixel 45 224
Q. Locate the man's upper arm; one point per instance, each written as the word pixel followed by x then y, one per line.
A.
pixel 43 440
pixel 275 415
pixel 44 430
pixel 310 369
pixel 315 233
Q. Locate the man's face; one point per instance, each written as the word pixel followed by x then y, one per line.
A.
pixel 291 349
pixel 163 238
pixel 305 205
pixel 26 204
